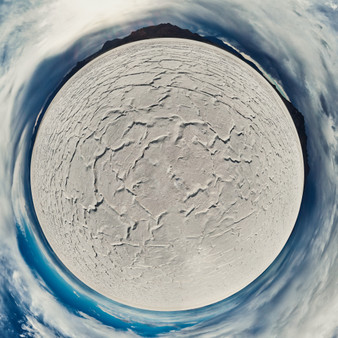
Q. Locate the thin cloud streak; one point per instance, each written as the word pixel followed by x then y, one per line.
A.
pixel 295 42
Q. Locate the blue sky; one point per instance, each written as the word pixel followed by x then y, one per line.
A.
pixel 294 41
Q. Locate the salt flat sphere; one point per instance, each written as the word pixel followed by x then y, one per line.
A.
pixel 167 174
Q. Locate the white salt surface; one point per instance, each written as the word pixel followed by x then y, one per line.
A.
pixel 167 174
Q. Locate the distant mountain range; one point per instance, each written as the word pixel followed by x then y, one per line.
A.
pixel 167 30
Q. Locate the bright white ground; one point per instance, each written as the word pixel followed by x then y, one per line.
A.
pixel 167 174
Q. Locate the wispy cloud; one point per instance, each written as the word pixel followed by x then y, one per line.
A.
pixel 296 42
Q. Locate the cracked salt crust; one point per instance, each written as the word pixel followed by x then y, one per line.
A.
pixel 167 174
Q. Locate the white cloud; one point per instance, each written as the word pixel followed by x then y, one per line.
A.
pixel 331 4
pixel 293 33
